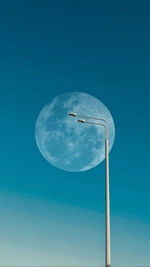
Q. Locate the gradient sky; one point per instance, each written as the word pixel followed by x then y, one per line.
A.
pixel 49 216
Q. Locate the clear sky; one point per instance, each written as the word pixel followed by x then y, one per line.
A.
pixel 53 217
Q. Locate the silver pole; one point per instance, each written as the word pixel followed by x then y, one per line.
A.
pixel 107 245
pixel 107 204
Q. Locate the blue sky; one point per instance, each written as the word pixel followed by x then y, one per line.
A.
pixel 52 217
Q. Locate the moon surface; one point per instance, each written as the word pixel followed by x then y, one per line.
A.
pixel 67 144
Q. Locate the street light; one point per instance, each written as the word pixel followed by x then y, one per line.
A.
pixel 76 115
pixel 107 251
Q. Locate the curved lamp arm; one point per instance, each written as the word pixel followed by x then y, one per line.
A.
pixel 87 117
pixel 101 124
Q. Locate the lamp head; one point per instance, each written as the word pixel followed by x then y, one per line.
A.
pixel 73 114
pixel 83 121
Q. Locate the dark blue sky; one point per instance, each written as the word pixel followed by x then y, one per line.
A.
pixel 98 47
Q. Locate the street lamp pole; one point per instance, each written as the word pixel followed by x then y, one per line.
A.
pixel 107 204
pixel 107 232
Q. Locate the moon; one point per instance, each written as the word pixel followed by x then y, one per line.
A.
pixel 67 144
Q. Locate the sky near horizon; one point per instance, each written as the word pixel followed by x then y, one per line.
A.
pixel 48 216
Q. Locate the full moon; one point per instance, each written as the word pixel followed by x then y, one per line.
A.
pixel 67 144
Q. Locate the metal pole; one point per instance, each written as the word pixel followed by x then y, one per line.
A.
pixel 107 204
pixel 107 242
